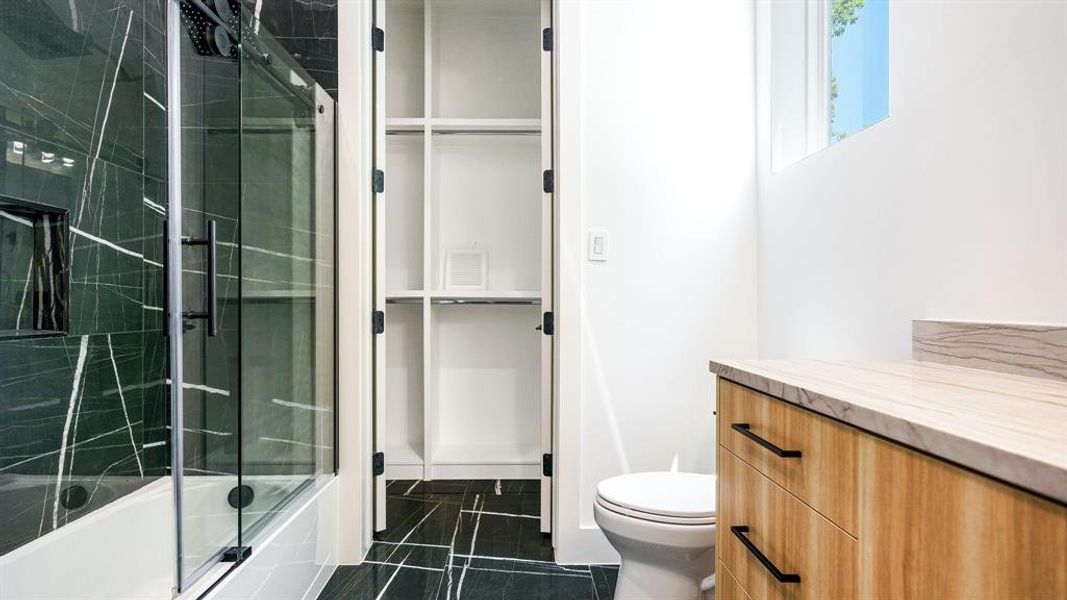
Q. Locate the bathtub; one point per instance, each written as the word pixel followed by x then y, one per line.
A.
pixel 126 549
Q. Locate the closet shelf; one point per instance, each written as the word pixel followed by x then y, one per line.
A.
pixel 277 295
pixel 467 296
pixel 401 125
pixel 405 124
pixel 400 294
pixel 487 454
pixel 488 126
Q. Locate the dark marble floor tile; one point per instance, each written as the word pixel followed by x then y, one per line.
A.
pixel 604 577
pixel 426 489
pixel 507 533
pixel 358 582
pixel 483 583
pixel 412 555
pixel 420 521
pixel 466 539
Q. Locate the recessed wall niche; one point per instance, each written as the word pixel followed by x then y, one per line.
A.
pixel 34 269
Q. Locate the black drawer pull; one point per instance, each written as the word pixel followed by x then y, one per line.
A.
pixel 746 430
pixel 739 531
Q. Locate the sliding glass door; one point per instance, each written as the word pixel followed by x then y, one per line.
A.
pixel 251 285
pixel 207 293
pixel 287 282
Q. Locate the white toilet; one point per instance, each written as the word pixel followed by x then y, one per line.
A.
pixel 663 526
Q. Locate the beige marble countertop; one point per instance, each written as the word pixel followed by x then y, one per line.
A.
pixel 1010 427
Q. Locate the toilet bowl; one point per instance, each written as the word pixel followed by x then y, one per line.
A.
pixel 663 527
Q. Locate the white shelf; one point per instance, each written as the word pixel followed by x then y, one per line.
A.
pixel 460 295
pixel 486 125
pixel 405 124
pixel 262 295
pixel 487 454
pixel 488 295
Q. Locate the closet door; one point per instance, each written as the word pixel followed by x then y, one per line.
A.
pixel 379 316
pixel 547 264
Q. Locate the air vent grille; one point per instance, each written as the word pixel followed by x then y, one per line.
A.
pixel 466 269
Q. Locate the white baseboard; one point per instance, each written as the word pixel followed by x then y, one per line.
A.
pixel 403 471
pixel 465 471
pixel 586 546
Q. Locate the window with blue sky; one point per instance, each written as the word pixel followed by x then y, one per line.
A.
pixel 859 65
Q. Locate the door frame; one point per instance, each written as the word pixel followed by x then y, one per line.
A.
pixel 372 279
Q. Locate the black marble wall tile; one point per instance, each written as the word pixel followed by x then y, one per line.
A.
pixel 308 30
pixel 70 75
pixel 83 127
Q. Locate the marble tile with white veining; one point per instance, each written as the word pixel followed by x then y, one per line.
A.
pixel 466 539
pixel 1032 350
pixel 79 413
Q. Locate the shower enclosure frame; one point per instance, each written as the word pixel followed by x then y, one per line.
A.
pixel 324 187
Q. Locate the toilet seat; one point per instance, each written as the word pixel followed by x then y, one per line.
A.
pixel 653 517
pixel 661 497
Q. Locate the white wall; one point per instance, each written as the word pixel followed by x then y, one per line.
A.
pixel 955 207
pixel 657 146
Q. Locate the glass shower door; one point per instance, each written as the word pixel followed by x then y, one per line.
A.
pixel 207 294
pixel 253 336
pixel 287 335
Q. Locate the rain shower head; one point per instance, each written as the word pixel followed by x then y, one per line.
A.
pixel 212 26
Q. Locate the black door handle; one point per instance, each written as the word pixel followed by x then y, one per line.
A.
pixel 739 531
pixel 211 314
pixel 746 430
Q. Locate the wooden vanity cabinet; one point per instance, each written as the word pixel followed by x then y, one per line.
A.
pixel 856 516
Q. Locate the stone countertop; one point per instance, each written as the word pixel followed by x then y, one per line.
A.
pixel 1010 427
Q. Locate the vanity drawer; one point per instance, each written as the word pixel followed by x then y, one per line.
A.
pixel 781 533
pixel 726 587
pixel 811 456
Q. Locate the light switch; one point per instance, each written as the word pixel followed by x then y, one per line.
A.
pixel 598 245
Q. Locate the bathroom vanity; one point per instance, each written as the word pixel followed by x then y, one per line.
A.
pixel 889 480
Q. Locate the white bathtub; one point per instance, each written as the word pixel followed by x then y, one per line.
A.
pixel 126 550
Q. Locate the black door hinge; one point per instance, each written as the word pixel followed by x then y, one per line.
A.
pixel 378 321
pixel 548 323
pixel 548 181
pixel 377 39
pixel 236 554
pixel 378 181
pixel 377 464
pixel 546 465
pixel 546 39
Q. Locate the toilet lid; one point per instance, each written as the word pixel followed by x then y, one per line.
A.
pixel 687 495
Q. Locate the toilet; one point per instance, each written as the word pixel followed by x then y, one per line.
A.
pixel 663 526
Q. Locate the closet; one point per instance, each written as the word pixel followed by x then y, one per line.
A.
pixel 463 217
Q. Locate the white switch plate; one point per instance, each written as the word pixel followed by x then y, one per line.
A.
pixel 598 245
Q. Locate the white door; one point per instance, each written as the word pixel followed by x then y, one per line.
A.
pixel 547 263
pixel 379 271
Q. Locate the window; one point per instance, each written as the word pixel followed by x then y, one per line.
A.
pixel 829 73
